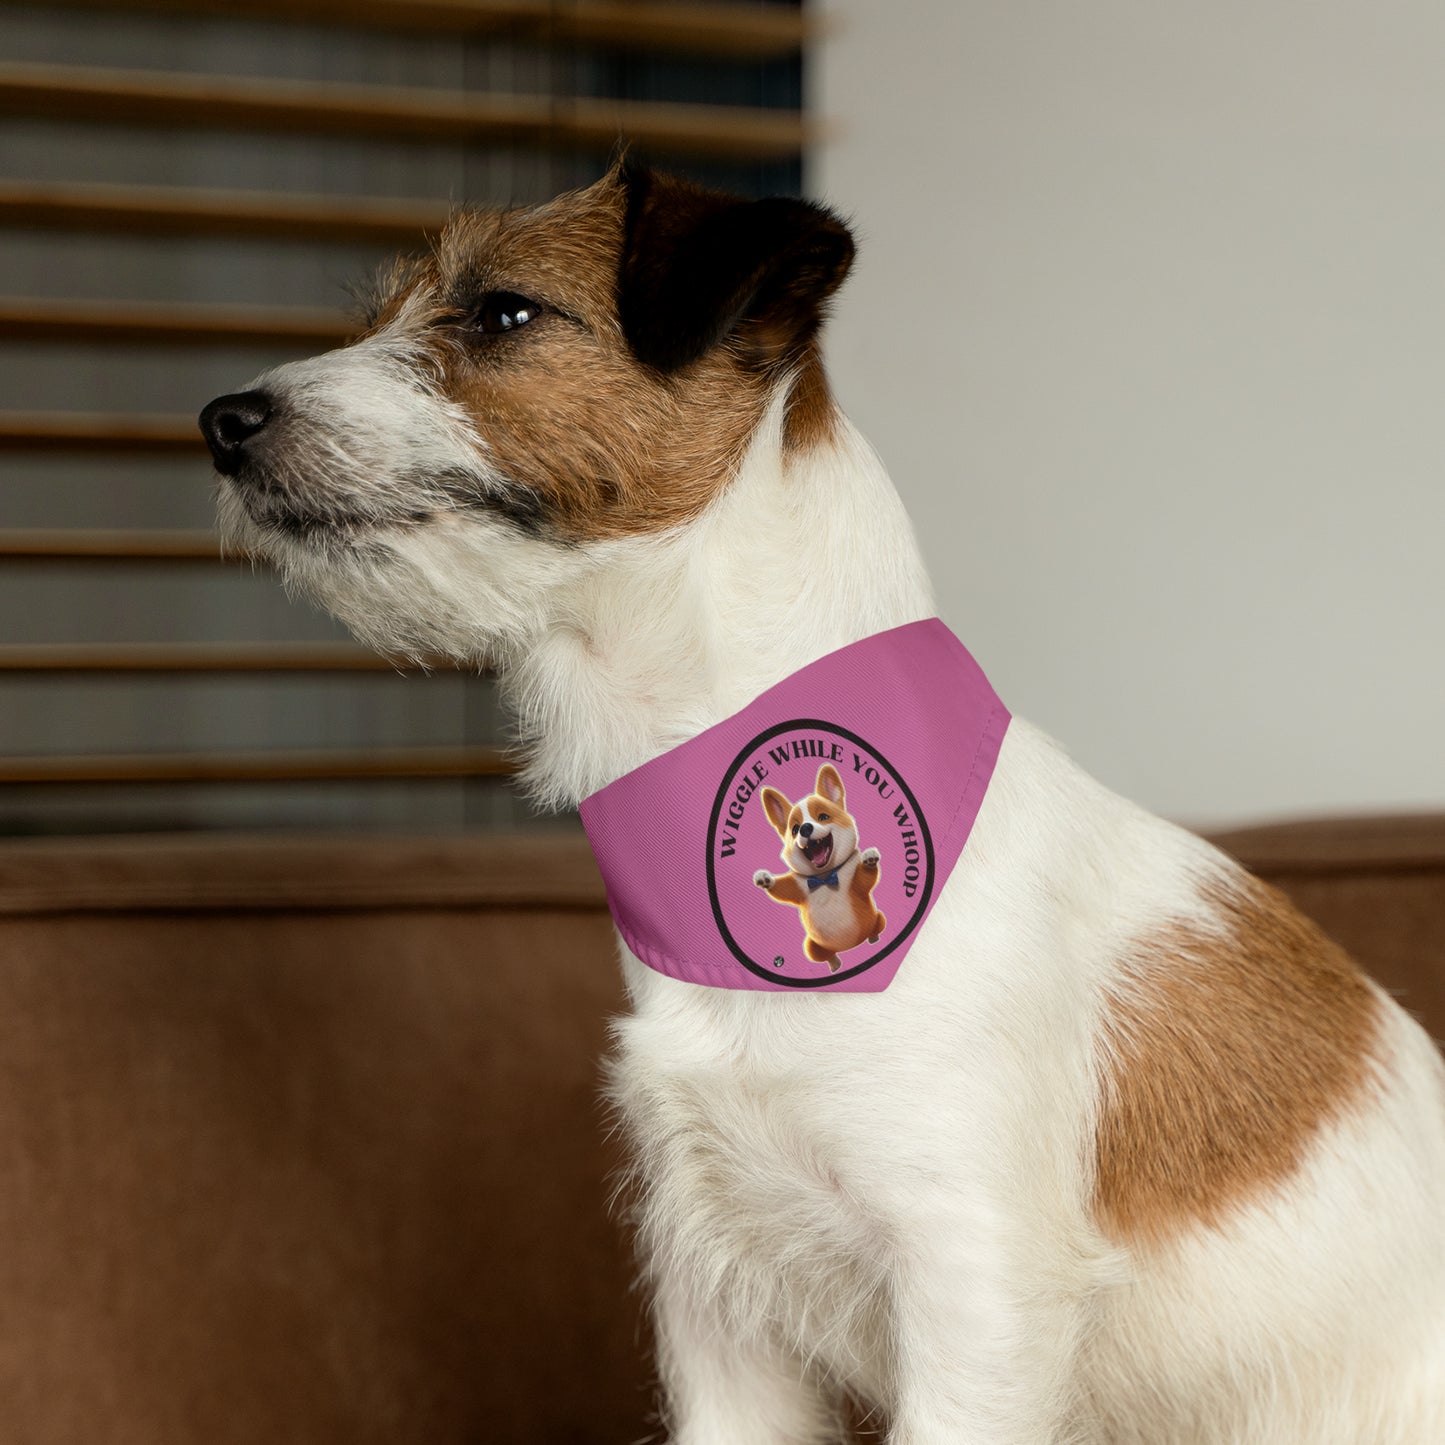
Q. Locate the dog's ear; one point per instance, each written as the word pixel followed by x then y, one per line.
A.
pixel 700 266
pixel 777 807
pixel 829 785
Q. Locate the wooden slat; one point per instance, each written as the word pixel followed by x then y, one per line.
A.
pixel 711 29
pixel 75 544
pixel 78 431
pixel 167 657
pixel 171 323
pixel 219 102
pixel 259 767
pixel 753 32
pixel 177 211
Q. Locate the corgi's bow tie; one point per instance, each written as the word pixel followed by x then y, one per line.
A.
pixel 831 881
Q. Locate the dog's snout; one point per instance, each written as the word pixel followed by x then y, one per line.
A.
pixel 806 830
pixel 229 422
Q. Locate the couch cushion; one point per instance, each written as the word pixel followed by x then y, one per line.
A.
pixel 303 1142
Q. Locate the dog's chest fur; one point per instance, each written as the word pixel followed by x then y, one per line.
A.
pixel 750 1143
pixel 784 1139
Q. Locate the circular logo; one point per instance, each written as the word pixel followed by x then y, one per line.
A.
pixel 819 858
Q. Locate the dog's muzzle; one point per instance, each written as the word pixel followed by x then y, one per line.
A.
pixel 230 422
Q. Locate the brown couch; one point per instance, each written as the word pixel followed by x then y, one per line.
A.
pixel 301 1138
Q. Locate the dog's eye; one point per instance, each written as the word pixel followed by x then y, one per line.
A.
pixel 795 830
pixel 504 311
pixel 822 817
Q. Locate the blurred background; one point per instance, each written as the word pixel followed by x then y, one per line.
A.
pixel 187 191
pixel 1149 324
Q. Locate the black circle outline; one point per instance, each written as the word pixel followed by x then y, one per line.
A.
pixel 734 947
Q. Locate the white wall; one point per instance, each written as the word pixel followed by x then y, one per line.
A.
pixel 1149 324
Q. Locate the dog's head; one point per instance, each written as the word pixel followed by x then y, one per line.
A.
pixel 547 382
pixel 817 833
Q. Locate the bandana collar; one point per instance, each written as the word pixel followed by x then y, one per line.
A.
pixel 886 747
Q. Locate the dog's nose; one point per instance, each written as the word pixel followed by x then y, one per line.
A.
pixel 806 830
pixel 229 422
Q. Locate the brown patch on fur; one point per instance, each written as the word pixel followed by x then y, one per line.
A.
pixel 812 416
pixel 1226 1054
pixel 608 446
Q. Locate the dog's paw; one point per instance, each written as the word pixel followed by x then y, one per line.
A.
pixel 869 858
pixel 763 878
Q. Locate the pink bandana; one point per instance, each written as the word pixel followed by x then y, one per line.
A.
pixel 801 843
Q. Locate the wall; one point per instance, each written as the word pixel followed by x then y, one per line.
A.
pixel 1149 323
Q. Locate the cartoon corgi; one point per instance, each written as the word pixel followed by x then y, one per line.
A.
pixel 828 878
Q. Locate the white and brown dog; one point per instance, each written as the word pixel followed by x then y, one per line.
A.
pixel 830 880
pixel 1127 1152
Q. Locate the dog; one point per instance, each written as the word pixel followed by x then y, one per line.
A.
pixel 828 879
pixel 1127 1153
